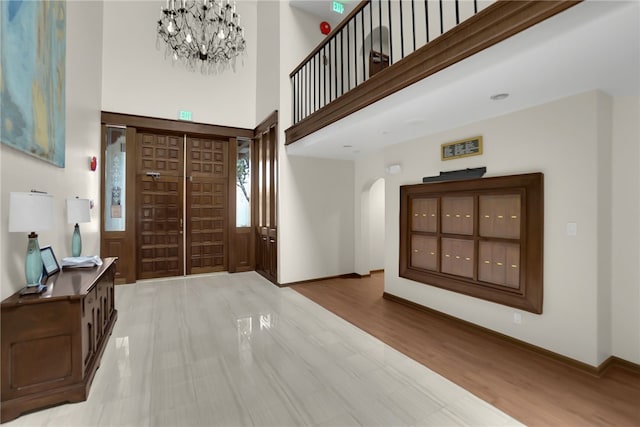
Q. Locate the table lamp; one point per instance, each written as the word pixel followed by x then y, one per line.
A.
pixel 31 212
pixel 77 212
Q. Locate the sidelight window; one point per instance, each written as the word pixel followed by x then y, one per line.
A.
pixel 243 183
pixel 115 166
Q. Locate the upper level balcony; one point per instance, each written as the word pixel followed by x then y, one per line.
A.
pixel 395 69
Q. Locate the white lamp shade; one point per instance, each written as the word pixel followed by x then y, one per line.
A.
pixel 78 211
pixel 30 212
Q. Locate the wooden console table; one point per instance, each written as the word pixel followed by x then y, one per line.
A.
pixel 52 343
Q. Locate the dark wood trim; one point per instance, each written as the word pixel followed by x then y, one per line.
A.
pixel 271 279
pixel 615 361
pixel 597 371
pixel 232 153
pixel 488 27
pixel 265 220
pixel 179 126
pixel 268 123
pixel 361 276
pixel 126 267
pixel 320 279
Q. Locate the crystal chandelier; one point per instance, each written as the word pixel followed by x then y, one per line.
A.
pixel 205 33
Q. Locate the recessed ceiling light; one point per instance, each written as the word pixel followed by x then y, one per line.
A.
pixel 414 121
pixel 347 146
pixel 499 96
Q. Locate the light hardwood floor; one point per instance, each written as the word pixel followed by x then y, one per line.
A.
pixel 532 388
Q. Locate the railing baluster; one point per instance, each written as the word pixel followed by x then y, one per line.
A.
pixel 348 57
pixel 295 93
pixel 390 33
pixel 401 30
pixel 441 20
pixel 299 94
pixel 413 23
pixel 324 74
pixel 380 26
pixel 426 17
pixel 371 34
pixel 341 64
pixel 335 61
pixel 329 65
pixel 315 82
pixel 315 87
pixel 364 67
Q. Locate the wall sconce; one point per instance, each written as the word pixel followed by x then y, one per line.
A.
pixel 31 212
pixel 77 212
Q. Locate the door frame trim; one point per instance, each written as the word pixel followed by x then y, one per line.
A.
pixel 133 123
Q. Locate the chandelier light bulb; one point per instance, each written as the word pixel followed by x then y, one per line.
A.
pixel 171 28
pixel 189 39
pixel 221 34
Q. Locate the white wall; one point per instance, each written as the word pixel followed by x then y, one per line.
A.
pixel 625 308
pixel 268 56
pixel 315 197
pixel 376 225
pixel 139 80
pixel 367 171
pixel 23 173
pixel 567 140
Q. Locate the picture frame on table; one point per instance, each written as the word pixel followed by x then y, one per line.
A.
pixel 49 262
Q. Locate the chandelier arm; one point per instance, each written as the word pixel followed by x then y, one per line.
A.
pixel 201 32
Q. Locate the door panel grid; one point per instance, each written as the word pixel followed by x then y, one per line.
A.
pixel 164 198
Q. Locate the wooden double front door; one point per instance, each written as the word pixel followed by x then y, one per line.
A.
pixel 181 205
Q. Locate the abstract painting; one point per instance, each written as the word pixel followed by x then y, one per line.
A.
pixel 32 77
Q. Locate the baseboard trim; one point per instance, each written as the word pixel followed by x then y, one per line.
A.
pixel 320 279
pixel 618 363
pixel 597 371
pixel 269 278
pixel 369 274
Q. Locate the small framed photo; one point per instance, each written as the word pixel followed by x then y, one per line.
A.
pixel 49 261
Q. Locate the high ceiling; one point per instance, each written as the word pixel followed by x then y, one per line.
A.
pixel 594 45
pixel 323 9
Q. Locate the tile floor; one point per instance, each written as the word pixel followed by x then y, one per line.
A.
pixel 234 350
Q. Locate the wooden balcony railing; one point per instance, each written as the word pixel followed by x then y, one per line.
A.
pixel 383 46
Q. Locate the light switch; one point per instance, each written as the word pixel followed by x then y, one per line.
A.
pixel 572 229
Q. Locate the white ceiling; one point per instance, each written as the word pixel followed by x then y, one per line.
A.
pixel 594 45
pixel 323 9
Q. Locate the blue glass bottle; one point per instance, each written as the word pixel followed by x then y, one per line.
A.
pixel 76 242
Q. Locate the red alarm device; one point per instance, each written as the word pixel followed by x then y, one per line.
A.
pixel 325 27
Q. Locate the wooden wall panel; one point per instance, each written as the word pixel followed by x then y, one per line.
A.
pixel 489 243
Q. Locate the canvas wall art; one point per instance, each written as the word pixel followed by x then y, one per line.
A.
pixel 32 77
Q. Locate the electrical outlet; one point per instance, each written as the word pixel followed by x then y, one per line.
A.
pixel 517 318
